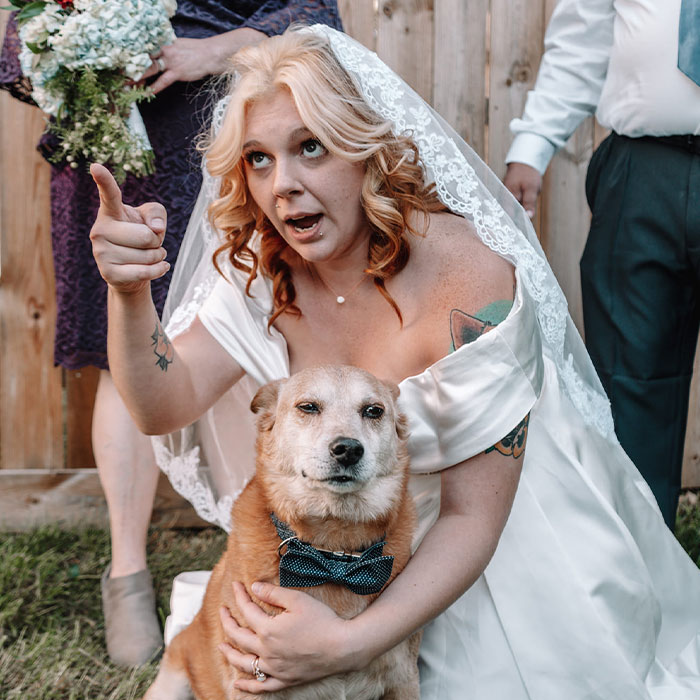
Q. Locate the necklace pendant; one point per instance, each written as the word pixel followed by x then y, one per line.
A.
pixel 340 299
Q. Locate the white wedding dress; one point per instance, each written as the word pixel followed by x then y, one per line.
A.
pixel 589 595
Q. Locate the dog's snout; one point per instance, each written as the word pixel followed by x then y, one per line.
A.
pixel 346 451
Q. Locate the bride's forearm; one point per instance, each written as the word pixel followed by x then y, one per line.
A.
pixel 445 565
pixel 165 385
pixel 142 361
pixel 476 499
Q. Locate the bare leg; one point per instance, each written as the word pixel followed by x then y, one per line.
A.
pixel 129 478
pixel 128 474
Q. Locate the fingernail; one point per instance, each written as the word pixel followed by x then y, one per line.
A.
pixel 257 588
pixel 158 223
pixel 530 213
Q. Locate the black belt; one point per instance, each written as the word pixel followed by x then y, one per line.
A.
pixel 687 142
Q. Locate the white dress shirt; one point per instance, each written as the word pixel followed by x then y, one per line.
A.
pixel 617 59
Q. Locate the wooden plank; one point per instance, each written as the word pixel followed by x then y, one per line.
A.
pixel 460 68
pixel 565 217
pixel 599 134
pixel 30 387
pixel 691 458
pixel 517 31
pixel 80 388
pixel 405 41
pixel 31 498
pixel 360 20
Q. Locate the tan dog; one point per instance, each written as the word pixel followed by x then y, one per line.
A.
pixel 332 466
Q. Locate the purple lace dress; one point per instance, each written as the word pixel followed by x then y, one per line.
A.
pixel 172 120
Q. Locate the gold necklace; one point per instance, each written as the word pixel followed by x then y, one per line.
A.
pixel 340 298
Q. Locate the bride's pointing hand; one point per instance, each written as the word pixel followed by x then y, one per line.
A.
pixel 304 642
pixel 127 241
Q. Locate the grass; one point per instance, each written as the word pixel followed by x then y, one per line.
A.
pixel 688 525
pixel 51 627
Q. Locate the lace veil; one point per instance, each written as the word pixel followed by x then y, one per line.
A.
pixel 198 459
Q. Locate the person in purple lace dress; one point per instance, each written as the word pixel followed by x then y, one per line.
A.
pixel 208 32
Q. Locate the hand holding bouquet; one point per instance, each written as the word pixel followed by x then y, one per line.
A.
pixel 83 58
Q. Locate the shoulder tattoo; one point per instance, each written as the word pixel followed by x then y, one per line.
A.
pixel 465 328
pixel 162 348
pixel 513 444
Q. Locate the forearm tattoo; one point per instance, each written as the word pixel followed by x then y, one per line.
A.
pixel 513 444
pixel 465 328
pixel 162 348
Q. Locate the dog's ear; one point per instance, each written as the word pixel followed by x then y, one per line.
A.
pixel 401 426
pixel 264 403
pixel 401 420
pixel 393 389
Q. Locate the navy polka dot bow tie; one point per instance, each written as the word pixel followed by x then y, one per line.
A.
pixel 303 565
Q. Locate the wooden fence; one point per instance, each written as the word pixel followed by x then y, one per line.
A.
pixel 474 61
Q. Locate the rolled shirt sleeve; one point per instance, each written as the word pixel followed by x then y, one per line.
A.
pixel 569 81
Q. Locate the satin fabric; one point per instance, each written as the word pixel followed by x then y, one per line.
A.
pixel 589 595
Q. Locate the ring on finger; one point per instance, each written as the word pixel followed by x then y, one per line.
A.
pixel 255 665
pixel 160 63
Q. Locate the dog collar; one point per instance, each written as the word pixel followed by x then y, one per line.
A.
pixel 303 565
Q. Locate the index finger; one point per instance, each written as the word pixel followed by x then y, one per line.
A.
pixel 110 195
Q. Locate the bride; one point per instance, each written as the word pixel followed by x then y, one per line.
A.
pixel 350 224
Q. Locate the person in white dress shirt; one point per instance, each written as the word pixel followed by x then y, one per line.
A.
pixel 640 271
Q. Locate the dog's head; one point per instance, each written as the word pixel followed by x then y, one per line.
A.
pixel 331 442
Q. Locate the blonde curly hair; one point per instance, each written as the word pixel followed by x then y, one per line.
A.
pixel 332 108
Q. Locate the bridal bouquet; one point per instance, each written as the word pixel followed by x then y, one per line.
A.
pixel 83 58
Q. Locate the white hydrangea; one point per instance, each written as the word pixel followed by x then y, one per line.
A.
pixel 98 34
pixel 46 101
pixel 170 7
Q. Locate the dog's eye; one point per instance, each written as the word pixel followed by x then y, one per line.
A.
pixel 309 407
pixel 373 411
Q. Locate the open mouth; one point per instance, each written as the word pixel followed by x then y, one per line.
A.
pixel 304 224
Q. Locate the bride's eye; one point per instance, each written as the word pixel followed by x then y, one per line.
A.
pixel 313 148
pixel 257 159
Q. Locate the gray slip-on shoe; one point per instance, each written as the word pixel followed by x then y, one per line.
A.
pixel 131 626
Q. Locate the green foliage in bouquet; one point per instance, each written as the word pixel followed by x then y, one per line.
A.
pixel 27 8
pixel 97 129
pixel 84 60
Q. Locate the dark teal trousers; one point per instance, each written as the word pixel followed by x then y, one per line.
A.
pixel 640 279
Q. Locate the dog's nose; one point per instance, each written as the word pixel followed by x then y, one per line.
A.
pixel 346 451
